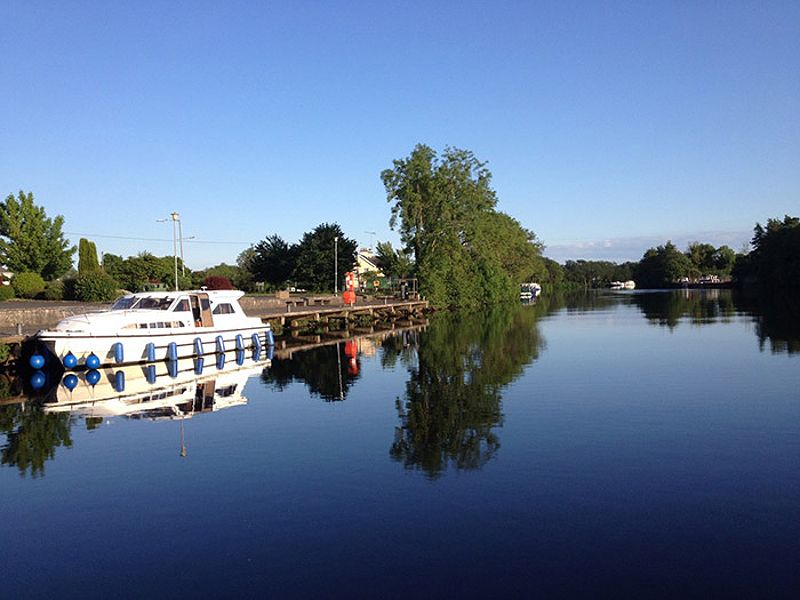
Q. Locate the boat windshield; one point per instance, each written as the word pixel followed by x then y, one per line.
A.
pixel 147 303
pixel 125 303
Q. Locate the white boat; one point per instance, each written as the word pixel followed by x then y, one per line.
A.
pixel 153 326
pixel 530 291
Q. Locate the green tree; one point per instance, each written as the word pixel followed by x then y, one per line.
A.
pixel 702 258
pixel 393 263
pixel 87 257
pixel 27 285
pixel 516 249
pixel 272 261
pixel 624 271
pixel 444 207
pixel 662 266
pixel 95 287
pixel 554 273
pixel 315 264
pixel 30 241
pixel 590 273
pixel 113 265
pixel 410 185
pixel 240 278
pixel 138 272
pixel 775 258
pixel 724 259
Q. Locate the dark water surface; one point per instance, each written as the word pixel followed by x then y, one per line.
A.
pixel 632 444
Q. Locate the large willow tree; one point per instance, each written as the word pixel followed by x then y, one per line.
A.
pixel 466 252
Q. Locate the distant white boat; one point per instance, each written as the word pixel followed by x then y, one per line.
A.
pixel 530 291
pixel 623 285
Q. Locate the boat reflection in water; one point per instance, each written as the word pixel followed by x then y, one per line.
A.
pixel 165 390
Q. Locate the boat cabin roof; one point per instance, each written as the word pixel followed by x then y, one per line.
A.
pixel 164 300
pixel 213 294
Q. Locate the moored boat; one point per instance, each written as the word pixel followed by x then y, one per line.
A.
pixel 152 326
pixel 530 291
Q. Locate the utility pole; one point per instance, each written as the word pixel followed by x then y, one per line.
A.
pixel 180 237
pixel 176 219
pixel 336 265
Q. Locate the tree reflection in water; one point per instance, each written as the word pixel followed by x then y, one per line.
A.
pixel 32 437
pixel 776 314
pixel 326 371
pixel 777 319
pixel 699 306
pixel 453 396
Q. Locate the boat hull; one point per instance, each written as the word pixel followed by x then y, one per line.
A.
pixel 135 346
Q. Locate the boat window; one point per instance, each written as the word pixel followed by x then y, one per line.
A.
pixel 159 325
pixel 227 391
pixel 223 309
pixel 125 303
pixel 182 305
pixel 151 303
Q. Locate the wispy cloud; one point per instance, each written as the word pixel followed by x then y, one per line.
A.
pixel 632 248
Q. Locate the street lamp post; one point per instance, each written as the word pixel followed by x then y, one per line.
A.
pixel 176 220
pixel 336 265
pixel 180 237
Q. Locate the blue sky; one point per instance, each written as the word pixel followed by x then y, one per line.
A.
pixel 609 127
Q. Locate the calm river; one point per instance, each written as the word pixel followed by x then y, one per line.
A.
pixel 631 444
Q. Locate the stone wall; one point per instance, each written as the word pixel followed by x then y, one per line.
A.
pixel 35 315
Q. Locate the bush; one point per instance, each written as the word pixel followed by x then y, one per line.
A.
pixel 217 282
pixel 6 292
pixel 28 285
pixel 95 287
pixel 54 290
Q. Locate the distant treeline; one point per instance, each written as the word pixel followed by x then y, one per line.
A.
pixel 774 261
pixel 661 266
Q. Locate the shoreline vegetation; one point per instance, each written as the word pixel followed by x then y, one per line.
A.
pixel 460 249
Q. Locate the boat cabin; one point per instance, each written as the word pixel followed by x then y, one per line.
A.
pixel 181 309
